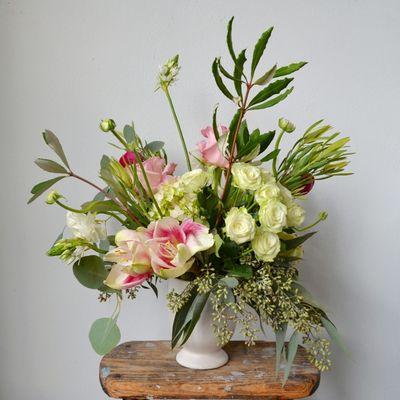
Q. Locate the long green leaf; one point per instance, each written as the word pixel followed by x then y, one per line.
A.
pixel 229 39
pixel 52 141
pixel 232 127
pixel 292 350
pixel 334 334
pixel 280 336
pixel 219 82
pixel 307 296
pixel 270 90
pixel 41 187
pixel 259 49
pixel 271 156
pixel 50 166
pixel 237 73
pixel 293 243
pixel 273 101
pixel 215 125
pixel 289 69
pixel 266 78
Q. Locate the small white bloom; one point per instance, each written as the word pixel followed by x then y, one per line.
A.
pixel 272 215
pixel 246 176
pixel 86 226
pixel 295 214
pixel 266 245
pixel 195 180
pixel 267 192
pixel 239 225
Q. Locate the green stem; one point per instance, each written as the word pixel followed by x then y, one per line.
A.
pixel 278 142
pixel 171 105
pixel 321 218
pixel 95 248
pixel 147 183
pixel 119 138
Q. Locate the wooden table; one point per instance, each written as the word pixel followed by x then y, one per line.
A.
pixel 148 370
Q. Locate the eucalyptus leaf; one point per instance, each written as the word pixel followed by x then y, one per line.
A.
pixel 155 146
pixel 41 187
pixel 218 242
pixel 280 336
pixel 104 335
pixel 259 49
pixel 292 350
pixel 50 166
pixel 289 69
pixel 273 101
pixel 129 133
pixel 219 82
pixel 90 271
pixel 272 89
pixel 240 271
pixel 229 281
pixel 52 141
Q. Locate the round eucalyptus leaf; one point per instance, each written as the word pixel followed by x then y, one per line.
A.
pixel 90 271
pixel 104 335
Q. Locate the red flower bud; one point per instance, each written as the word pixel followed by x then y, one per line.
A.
pixel 308 186
pixel 128 158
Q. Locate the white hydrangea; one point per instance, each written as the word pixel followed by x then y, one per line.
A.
pixel 86 226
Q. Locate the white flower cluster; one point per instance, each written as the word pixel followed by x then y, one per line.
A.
pixel 178 198
pixel 277 210
pixel 168 72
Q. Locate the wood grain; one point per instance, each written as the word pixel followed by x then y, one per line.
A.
pixel 148 370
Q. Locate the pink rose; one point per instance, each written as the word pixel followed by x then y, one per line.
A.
pixel 173 245
pixel 132 260
pixel 157 172
pixel 211 151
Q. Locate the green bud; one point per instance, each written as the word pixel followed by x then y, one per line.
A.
pixel 323 215
pixel 168 73
pixel 286 125
pixel 107 125
pixel 52 197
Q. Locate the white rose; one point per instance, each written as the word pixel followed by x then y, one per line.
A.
pixel 239 225
pixel 246 176
pixel 295 214
pixel 287 197
pixel 86 226
pixel 193 181
pixel 266 192
pixel 266 245
pixel 267 176
pixel 272 215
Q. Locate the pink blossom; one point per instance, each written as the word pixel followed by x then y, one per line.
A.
pixel 128 158
pixel 173 245
pixel 211 151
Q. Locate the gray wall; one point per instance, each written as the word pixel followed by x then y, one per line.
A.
pixel 67 64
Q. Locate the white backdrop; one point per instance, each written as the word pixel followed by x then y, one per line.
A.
pixel 67 64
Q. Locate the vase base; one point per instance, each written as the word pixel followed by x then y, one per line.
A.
pixel 192 360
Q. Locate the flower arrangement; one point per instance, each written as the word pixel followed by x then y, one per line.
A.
pixel 232 226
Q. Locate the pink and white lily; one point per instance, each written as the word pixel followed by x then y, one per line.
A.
pixel 131 257
pixel 173 245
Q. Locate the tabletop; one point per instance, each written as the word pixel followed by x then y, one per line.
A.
pixel 148 370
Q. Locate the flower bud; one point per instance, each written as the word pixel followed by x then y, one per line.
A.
pixel 286 125
pixel 52 197
pixel 107 125
pixel 310 181
pixel 168 73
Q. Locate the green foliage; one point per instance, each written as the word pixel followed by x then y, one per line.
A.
pixel 104 335
pixel 209 204
pixel 289 69
pixel 280 335
pixel 296 242
pixel 52 141
pixel 238 71
pixel 41 187
pixel 291 354
pixel 219 81
pixel 90 272
pixel 274 101
pixel 259 49
pixel 50 166
pixel 271 90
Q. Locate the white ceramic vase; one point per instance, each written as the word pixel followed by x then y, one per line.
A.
pixel 201 350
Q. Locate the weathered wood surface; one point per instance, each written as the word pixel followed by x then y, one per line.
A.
pixel 148 370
